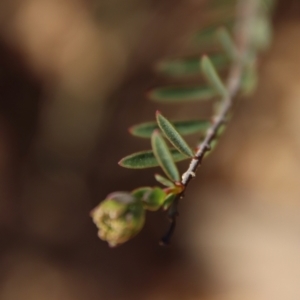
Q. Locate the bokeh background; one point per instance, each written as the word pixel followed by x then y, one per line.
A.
pixel 73 76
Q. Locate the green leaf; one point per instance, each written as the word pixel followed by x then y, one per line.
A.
pixel 146 159
pixel 221 131
pixel 163 156
pixel 180 67
pixel 140 192
pixel 268 5
pixel 262 33
pixel 249 80
pixel 206 35
pixel 174 94
pixel 168 201
pixel 227 43
pixel 212 76
pixel 152 198
pixel 164 181
pixel 145 130
pixel 173 136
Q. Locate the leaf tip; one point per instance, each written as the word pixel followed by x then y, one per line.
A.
pixel 149 94
pixel 130 129
pixel 156 132
pixel 158 66
pixel 150 91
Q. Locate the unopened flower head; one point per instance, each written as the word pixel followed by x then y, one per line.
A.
pixel 119 218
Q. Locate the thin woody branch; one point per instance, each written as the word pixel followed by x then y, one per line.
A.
pixel 245 17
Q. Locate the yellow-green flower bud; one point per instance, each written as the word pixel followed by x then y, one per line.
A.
pixel 119 218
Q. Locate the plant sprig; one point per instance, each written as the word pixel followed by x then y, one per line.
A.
pixel 240 41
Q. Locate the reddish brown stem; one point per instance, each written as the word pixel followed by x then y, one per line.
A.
pixel 246 12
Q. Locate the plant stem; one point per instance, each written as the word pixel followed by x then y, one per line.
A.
pixel 245 17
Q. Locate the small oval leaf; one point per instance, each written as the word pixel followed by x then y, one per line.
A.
pixel 212 76
pixel 145 130
pixel 173 136
pixel 249 80
pixel 180 67
pixel 206 35
pixel 163 156
pixel 227 44
pixel 146 159
pixel 140 192
pixel 164 181
pixel 268 5
pixel 152 198
pixel 174 94
pixel 262 33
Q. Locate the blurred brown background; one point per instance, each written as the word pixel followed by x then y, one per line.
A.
pixel 72 79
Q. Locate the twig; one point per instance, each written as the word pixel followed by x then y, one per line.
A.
pixel 246 11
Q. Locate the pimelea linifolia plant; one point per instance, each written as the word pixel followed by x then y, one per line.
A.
pixel 232 43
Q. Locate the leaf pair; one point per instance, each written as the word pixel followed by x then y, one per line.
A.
pixel 161 150
pixel 209 68
pixel 189 66
pixel 206 37
pixel 212 76
pixel 161 155
pixel 146 159
pixel 152 198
